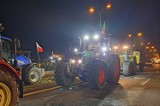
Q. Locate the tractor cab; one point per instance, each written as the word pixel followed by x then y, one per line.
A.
pixel 91 48
pixel 7 45
pixel 6 50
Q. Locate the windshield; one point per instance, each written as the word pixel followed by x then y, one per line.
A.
pixel 6 51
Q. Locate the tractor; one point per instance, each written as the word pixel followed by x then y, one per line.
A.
pixel 31 73
pixel 92 62
pixel 130 60
pixel 11 85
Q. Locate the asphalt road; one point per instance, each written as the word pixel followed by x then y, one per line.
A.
pixel 143 89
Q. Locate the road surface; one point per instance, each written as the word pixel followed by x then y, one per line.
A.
pixel 143 89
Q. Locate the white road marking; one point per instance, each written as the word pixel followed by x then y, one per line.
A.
pixel 145 82
pixel 31 93
pixel 49 89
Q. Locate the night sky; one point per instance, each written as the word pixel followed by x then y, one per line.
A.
pixel 54 23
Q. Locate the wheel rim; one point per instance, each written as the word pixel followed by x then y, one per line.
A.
pixel 116 71
pixel 5 95
pixel 101 76
pixel 34 76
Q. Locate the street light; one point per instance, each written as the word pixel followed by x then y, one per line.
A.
pixel 135 37
pixel 91 10
pixel 108 6
pixel 115 47
pixel 139 34
pixel 125 47
pixel 130 35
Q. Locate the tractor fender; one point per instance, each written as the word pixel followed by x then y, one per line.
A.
pixel 5 66
pixel 26 67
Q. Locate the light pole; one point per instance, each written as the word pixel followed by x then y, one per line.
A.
pixel 92 10
pixel 135 37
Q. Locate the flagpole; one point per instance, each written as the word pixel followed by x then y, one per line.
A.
pixel 38 56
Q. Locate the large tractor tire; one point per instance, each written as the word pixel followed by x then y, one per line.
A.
pixel 8 89
pixel 96 74
pixel 63 75
pixel 129 68
pixel 113 72
pixel 31 74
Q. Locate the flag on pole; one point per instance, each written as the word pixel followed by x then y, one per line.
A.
pixel 39 48
pixel 104 31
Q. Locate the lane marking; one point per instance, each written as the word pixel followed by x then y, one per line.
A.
pixel 44 90
pixel 48 89
pixel 145 82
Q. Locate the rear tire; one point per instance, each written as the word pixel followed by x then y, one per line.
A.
pixel 8 89
pixel 113 72
pixel 96 74
pixel 128 68
pixel 63 75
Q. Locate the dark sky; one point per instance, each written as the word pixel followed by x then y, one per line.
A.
pixel 53 23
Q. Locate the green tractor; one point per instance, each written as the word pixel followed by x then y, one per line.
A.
pixel 92 62
pixel 131 61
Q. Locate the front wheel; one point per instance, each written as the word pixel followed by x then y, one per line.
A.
pixel 31 74
pixel 128 68
pixel 34 75
pixel 8 89
pixel 96 75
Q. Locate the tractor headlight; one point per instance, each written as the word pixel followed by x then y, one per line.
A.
pixel 79 61
pixel 104 49
pixel 73 61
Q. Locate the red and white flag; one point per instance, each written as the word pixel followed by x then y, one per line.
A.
pixel 39 48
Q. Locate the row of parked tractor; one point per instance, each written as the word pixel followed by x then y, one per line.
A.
pixel 93 62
